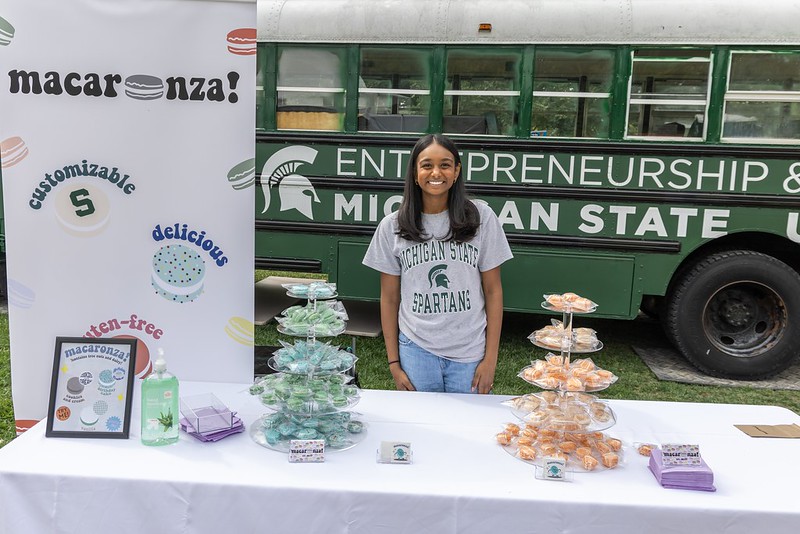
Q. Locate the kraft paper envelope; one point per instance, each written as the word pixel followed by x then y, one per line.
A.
pixel 771 431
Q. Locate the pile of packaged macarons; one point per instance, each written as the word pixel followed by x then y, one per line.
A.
pixel 555 372
pixel 574 412
pixel 311 290
pixel 318 358
pixel 307 408
pixel 338 430
pixel 310 393
pixel 581 452
pixel 554 337
pixel 300 394
pixel 323 318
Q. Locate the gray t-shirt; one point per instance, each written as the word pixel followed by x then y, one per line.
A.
pixel 441 297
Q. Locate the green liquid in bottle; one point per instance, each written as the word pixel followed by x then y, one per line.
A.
pixel 160 409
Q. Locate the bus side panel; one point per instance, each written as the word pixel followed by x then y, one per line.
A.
pixel 604 278
pixel 356 280
pixel 290 245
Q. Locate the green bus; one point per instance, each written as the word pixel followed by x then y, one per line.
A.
pixel 642 154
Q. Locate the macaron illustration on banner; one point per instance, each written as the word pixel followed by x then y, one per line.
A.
pixel 6 32
pixel 243 175
pixel 12 151
pixel 144 87
pixel 25 424
pixel 82 210
pixel 242 41
pixel 19 295
pixel 143 365
pixel 178 273
pixel 240 330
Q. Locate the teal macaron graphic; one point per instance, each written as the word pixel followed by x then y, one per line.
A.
pixel 107 379
pixel 178 273
pixel 144 87
pixel 243 175
pixel 6 32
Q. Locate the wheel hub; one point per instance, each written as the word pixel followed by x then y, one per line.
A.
pixel 744 319
pixel 737 313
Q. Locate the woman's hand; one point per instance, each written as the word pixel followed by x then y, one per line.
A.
pixel 401 378
pixel 483 382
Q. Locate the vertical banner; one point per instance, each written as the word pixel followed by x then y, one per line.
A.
pixel 128 184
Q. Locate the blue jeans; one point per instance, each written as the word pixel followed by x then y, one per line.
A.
pixel 428 372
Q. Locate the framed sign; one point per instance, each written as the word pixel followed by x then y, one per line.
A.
pixel 91 391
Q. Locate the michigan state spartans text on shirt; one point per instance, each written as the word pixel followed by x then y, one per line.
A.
pixel 442 303
pixel 440 298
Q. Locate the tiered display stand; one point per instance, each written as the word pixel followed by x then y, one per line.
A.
pixel 565 421
pixel 310 395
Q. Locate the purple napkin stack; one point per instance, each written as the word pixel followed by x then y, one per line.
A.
pixel 215 435
pixel 691 477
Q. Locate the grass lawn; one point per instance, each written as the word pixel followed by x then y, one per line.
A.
pixel 7 429
pixel 636 381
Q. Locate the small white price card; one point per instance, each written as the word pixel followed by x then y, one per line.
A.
pixel 553 469
pixel 394 452
pixel 306 451
pixel 681 454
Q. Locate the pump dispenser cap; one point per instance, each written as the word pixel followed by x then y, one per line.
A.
pixel 160 364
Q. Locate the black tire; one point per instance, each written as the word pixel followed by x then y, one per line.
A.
pixel 736 314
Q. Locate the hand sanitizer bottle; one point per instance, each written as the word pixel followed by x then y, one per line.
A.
pixel 160 410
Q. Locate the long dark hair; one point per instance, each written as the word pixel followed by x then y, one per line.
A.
pixel 464 216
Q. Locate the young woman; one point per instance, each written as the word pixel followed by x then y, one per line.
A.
pixel 439 257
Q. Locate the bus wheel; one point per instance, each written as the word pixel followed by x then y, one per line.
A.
pixel 735 314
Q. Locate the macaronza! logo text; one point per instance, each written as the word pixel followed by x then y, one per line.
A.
pixel 135 86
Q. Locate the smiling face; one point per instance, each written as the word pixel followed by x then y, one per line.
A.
pixel 436 172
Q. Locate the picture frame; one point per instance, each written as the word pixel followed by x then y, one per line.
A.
pixel 91 390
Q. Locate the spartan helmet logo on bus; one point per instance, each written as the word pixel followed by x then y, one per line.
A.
pixel 294 190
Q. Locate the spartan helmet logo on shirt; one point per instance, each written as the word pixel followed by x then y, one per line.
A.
pixel 295 191
pixel 437 276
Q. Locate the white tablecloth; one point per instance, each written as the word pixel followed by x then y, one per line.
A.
pixel 461 481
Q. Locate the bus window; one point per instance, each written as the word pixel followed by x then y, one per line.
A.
pixel 482 92
pixel 259 89
pixel 311 93
pixel 571 93
pixel 394 93
pixel 763 98
pixel 669 89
